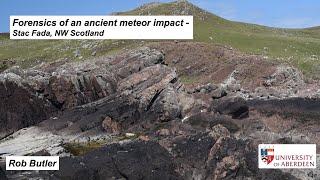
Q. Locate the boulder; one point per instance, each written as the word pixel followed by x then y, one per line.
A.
pixel 218 93
pixel 207 88
pixel 163 132
pixel 166 107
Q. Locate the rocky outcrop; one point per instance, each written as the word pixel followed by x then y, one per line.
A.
pixel 212 153
pixel 20 106
pixel 136 160
pixel 217 154
pixel 285 76
pixel 139 78
pixel 134 120
pixel 304 110
pixel 284 82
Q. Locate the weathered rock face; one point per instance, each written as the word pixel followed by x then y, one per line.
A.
pixel 69 91
pixel 144 86
pixel 154 88
pixel 167 105
pixel 76 84
pixel 19 104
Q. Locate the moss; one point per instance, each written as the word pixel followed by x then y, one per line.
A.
pixel 188 79
pixel 3 67
pixel 78 149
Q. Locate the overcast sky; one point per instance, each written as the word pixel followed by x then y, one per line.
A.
pixel 276 13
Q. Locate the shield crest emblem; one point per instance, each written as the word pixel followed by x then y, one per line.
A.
pixel 267 155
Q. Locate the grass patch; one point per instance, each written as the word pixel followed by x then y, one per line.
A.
pixel 3 67
pixel 188 79
pixel 79 149
pixel 28 53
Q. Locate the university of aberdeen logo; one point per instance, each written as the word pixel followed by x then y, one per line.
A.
pixel 287 156
pixel 267 155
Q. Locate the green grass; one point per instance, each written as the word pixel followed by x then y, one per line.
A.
pixel 81 148
pixel 188 79
pixel 27 53
pixel 3 67
pixel 298 47
pixel 78 149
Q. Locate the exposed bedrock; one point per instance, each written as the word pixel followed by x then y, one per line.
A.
pixel 20 106
pixel 135 84
pixel 215 154
pixel 136 160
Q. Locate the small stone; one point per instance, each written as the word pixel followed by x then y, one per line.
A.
pixel 211 87
pixel 130 135
pixel 163 132
pixel 77 53
pixel 234 87
pixel 203 91
pixel 175 61
pixel 144 138
pixel 218 93
pixel 218 131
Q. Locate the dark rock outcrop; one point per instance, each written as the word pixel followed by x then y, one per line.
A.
pixel 217 154
pixel 19 105
pixel 136 160
pixel 235 107
pixel 302 109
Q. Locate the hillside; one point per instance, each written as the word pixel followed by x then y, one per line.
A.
pixel 299 47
